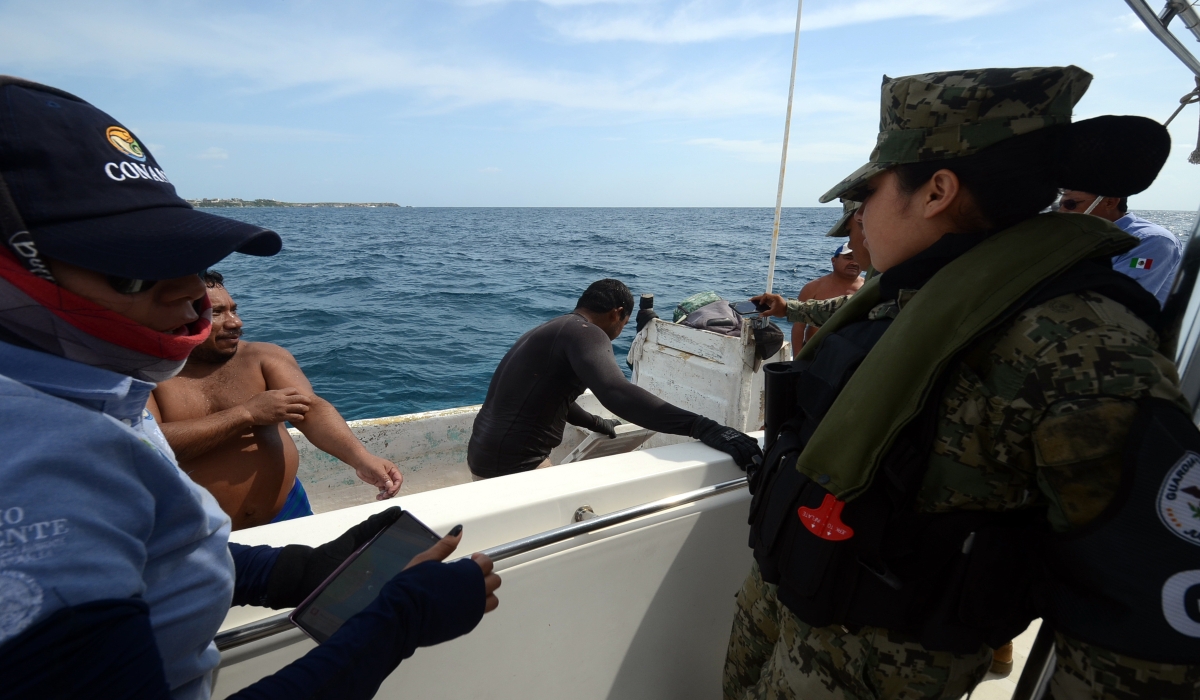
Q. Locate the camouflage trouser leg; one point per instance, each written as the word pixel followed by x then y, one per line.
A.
pixel 1085 672
pixel 755 631
pixel 792 660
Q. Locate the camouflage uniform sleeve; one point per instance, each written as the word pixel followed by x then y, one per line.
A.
pixel 1091 381
pixel 814 312
pixel 1100 361
pixel 1050 401
pixel 1040 411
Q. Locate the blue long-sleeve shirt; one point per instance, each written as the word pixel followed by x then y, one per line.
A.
pixel 1156 258
pixel 95 508
pixel 116 569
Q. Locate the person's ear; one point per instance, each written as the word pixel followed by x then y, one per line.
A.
pixel 942 190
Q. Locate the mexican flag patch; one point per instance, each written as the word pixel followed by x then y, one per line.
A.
pixel 1141 263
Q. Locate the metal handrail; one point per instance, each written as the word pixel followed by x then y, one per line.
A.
pixel 275 624
pixel 1156 27
pixel 254 631
pixel 566 532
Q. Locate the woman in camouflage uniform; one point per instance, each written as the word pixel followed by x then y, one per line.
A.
pixel 1028 396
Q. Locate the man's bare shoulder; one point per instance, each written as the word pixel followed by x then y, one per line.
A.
pixel 812 289
pixel 265 351
pixel 827 287
pixel 278 366
pixel 268 355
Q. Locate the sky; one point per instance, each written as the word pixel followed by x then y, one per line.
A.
pixel 556 102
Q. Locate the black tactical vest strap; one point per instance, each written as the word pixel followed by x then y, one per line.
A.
pixel 1130 580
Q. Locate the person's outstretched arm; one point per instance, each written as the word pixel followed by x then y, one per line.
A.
pixel 426 604
pixel 324 426
pixel 590 354
pixel 814 312
pixel 577 416
pixel 107 648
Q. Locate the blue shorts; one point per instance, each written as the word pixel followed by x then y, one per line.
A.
pixel 296 505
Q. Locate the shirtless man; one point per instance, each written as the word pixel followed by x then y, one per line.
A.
pixel 843 281
pixel 223 416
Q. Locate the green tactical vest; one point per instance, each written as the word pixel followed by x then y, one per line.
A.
pixel 962 301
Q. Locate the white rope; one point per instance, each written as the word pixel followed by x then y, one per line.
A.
pixel 1193 96
pixel 787 128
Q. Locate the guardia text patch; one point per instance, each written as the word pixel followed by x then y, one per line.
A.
pixel 1179 498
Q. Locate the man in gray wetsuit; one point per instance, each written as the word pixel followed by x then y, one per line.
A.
pixel 532 394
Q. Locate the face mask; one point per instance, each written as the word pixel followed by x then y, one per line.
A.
pixel 59 322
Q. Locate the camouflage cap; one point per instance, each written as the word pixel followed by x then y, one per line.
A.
pixel 842 228
pixel 938 116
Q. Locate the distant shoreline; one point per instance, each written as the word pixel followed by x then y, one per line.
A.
pixel 235 203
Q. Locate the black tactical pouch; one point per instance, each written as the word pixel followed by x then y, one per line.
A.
pixel 1000 575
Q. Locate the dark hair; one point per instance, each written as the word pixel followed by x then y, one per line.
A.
pixel 1019 177
pixel 605 295
pixel 212 278
pixel 1008 182
pixel 1123 205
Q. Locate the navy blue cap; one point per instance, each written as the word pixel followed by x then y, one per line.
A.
pixel 843 249
pixel 92 195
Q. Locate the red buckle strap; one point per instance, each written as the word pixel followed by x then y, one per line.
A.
pixel 826 521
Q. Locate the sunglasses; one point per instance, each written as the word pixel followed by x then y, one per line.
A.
pixel 1073 204
pixel 129 285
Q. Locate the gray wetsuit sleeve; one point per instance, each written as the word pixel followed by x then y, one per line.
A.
pixel 591 357
pixel 577 416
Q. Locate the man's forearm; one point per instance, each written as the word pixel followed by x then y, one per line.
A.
pixel 192 438
pixel 577 416
pixel 814 312
pixel 327 431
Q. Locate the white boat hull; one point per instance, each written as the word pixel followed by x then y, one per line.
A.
pixel 640 610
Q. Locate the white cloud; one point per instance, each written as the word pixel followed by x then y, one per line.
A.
pixel 253 54
pixel 698 21
pixel 214 153
pixel 1129 22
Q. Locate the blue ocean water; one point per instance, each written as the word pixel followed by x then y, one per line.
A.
pixel 399 310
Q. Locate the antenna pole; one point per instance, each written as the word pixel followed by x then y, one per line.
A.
pixel 787 129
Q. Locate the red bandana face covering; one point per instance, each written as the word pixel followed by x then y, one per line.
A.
pixel 65 324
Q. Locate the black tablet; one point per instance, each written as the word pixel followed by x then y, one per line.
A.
pixel 356 583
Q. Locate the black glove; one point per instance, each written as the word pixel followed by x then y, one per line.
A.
pixel 606 426
pixel 743 448
pixel 425 605
pixel 300 569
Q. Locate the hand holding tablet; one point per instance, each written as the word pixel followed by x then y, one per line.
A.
pixel 356 583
